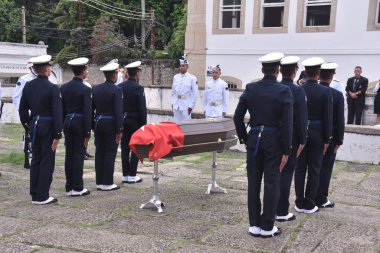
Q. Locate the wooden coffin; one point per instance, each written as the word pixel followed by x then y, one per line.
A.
pixel 201 135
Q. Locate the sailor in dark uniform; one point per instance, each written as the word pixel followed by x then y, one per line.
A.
pixel 77 114
pixel 288 70
pixel 319 105
pixel 326 77
pixel 135 114
pixel 270 105
pixel 43 99
pixel 107 107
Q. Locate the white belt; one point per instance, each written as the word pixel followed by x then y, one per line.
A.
pixel 214 103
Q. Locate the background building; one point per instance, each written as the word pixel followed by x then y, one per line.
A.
pixel 235 33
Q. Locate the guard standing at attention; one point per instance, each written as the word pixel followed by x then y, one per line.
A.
pixel 135 114
pixel 107 104
pixel 270 105
pixel 43 99
pixel 319 106
pixel 77 114
pixel 184 92
pixel 16 101
pixel 326 77
pixel 215 102
pixel 356 89
pixel 289 67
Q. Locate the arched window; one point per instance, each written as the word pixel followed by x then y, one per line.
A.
pixel 233 82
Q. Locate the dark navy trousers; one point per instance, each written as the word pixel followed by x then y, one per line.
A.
pixel 129 160
pixel 286 178
pixel 75 151
pixel 310 162
pixel 105 153
pixel 264 164
pixel 43 160
pixel 325 175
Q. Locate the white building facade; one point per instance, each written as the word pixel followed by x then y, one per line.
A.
pixel 235 33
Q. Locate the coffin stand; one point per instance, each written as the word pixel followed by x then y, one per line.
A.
pixel 201 135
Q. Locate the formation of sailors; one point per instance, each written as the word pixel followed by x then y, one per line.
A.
pixel 294 130
pixel 45 110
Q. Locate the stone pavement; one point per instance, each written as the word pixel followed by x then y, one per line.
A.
pixel 191 222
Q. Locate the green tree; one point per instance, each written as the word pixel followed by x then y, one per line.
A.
pixel 177 40
pixel 10 22
pixel 56 22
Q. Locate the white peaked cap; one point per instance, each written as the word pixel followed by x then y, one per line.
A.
pixel 271 57
pixel 135 64
pixel 78 61
pixel 329 65
pixel 41 60
pixel 313 61
pixel 30 62
pixel 110 67
pixel 289 60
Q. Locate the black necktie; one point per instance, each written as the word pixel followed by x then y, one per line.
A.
pixel 356 83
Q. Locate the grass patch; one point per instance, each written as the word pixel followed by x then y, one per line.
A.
pixel 366 176
pixel 12 158
pixel 293 236
pixel 12 131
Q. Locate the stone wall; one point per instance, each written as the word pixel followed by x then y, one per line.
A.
pixel 164 70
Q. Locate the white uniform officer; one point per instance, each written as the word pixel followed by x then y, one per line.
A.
pixel 184 93
pixel 216 97
pixel 21 83
pixel 16 102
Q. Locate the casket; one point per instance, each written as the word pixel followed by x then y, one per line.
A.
pixel 201 135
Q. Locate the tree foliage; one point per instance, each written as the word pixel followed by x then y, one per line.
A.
pixel 56 23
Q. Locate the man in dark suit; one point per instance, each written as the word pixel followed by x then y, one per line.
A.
pixel 77 113
pixel 107 104
pixel 43 99
pixel 289 69
pixel 326 76
pixel 356 88
pixel 270 105
pixel 319 106
pixel 135 114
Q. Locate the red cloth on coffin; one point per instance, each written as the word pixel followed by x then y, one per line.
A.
pixel 162 137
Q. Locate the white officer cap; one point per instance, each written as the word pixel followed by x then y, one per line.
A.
pixel 30 62
pixel 271 58
pixel 183 61
pixel 329 66
pixel 78 61
pixel 110 67
pixel 41 60
pixel 290 60
pixel 113 61
pixel 215 68
pixel 133 65
pixel 313 62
